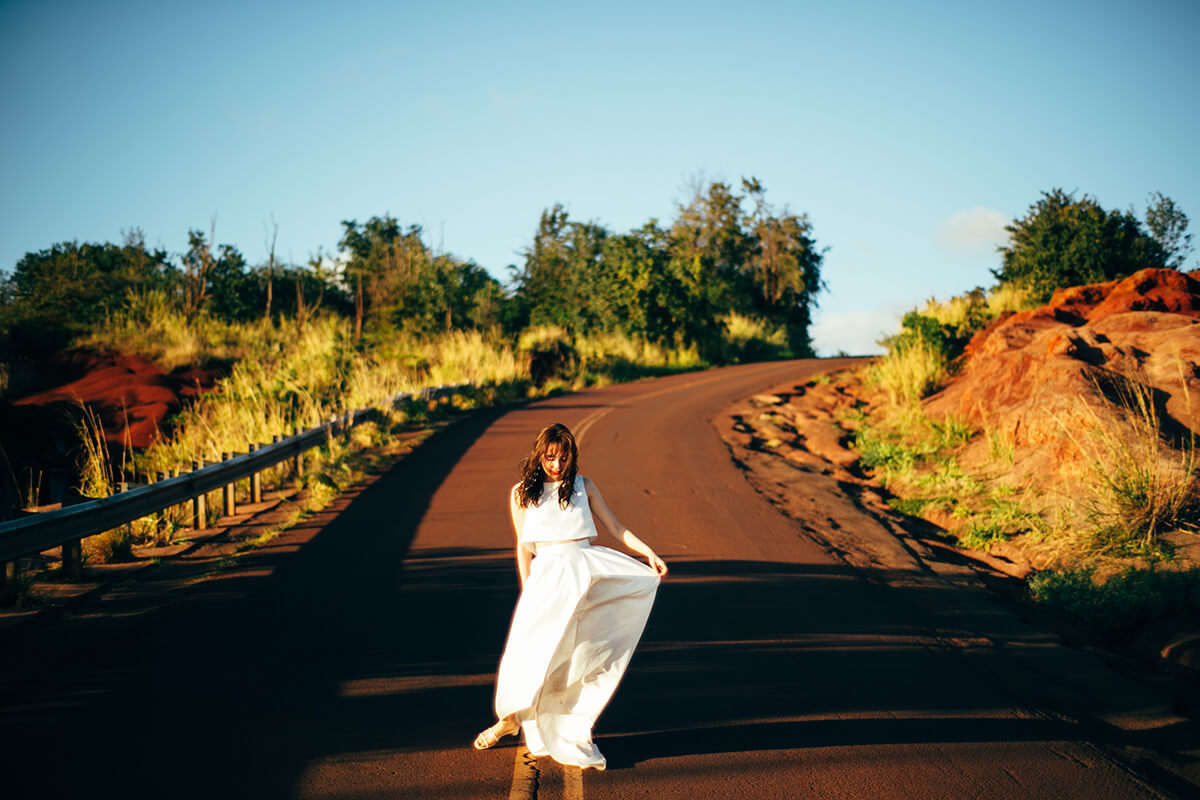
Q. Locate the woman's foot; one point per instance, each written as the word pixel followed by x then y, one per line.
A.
pixel 489 737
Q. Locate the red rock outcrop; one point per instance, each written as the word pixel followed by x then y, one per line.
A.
pixel 131 395
pixel 1032 377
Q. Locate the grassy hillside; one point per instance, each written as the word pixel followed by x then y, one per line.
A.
pixel 1060 437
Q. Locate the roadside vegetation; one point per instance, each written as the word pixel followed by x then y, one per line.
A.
pixel 731 279
pixel 1100 527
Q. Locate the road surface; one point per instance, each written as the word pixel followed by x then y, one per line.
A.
pixel 354 656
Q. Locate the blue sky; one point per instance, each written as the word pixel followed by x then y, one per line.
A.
pixel 909 133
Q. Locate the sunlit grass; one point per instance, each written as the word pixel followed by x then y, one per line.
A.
pixel 978 307
pixel 911 372
pixel 149 324
pixel 753 338
pixel 287 377
pixel 1143 484
pixel 284 376
pixel 1008 297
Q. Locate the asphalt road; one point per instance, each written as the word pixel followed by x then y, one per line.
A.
pixel 354 656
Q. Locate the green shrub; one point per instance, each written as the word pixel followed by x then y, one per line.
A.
pixel 1116 608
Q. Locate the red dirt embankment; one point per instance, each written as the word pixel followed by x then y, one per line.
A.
pixel 1033 377
pixel 130 395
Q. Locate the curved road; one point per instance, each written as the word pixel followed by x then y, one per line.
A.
pixel 354 656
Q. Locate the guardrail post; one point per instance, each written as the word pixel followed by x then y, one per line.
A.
pixel 230 501
pixel 199 512
pixel 299 459
pixel 181 509
pixel 72 551
pixel 255 481
pixel 347 423
pixel 72 558
pixel 9 573
pixel 275 437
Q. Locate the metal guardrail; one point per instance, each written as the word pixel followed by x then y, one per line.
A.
pixel 37 532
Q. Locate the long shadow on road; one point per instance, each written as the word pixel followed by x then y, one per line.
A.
pixel 352 644
pixel 233 688
pixel 744 656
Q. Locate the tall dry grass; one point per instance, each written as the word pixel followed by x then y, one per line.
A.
pixel 910 372
pixel 749 338
pixel 602 357
pixel 1008 297
pixel 915 367
pixel 99 477
pixel 977 306
pixel 149 324
pixel 610 357
pixel 303 378
pixel 288 376
pixel 1144 484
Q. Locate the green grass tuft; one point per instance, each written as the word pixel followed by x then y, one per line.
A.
pixel 1116 609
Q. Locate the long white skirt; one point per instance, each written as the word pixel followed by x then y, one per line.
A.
pixel 575 627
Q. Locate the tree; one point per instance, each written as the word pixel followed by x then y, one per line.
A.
pixel 785 265
pixel 216 278
pixel 674 285
pixel 1168 225
pixel 76 284
pixel 1062 241
pixel 562 282
pixel 53 295
pixel 381 259
pixel 198 264
pixel 709 244
pixel 269 237
pixel 310 282
pixel 398 282
pixel 653 293
pixel 234 293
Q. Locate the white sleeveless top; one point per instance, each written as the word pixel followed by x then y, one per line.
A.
pixel 547 521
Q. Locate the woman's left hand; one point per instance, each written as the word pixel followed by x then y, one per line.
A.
pixel 657 564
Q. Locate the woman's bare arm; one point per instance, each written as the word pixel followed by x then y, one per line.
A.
pixel 518 519
pixel 601 512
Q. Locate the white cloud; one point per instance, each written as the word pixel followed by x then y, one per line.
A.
pixel 854 332
pixel 972 230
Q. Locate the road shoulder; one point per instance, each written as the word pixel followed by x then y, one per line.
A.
pixel 802 465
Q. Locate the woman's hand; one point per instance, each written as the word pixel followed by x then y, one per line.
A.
pixel 657 564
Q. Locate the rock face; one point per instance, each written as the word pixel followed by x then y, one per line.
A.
pixel 131 396
pixel 1036 380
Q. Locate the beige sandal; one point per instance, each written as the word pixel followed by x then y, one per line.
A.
pixel 489 737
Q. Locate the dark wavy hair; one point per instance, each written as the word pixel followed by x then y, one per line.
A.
pixel 529 490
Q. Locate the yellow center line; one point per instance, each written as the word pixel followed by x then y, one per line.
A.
pixel 524 782
pixel 584 425
pixel 588 421
pixel 572 783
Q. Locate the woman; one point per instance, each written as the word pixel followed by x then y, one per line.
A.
pixel 581 612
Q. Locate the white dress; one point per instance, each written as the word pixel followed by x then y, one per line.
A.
pixel 575 627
